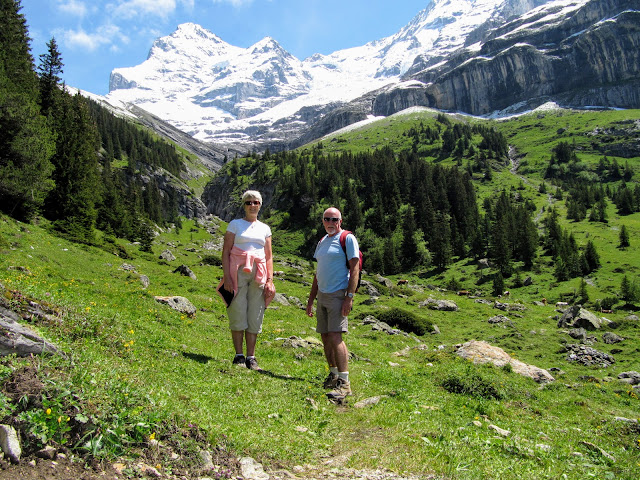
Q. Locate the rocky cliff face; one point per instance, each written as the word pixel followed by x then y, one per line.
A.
pixel 588 56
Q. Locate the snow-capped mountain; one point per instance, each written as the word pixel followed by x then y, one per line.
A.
pixel 474 56
pixel 225 94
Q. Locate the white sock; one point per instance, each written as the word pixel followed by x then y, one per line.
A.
pixel 344 376
pixel 334 370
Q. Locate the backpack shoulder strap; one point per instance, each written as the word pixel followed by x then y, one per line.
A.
pixel 343 240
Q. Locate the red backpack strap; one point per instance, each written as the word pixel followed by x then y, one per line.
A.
pixel 343 240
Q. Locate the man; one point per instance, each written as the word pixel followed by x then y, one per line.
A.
pixel 334 286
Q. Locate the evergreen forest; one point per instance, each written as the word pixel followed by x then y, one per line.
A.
pixel 69 159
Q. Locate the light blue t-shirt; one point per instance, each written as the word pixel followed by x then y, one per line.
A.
pixel 332 272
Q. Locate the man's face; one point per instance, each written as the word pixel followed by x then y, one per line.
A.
pixel 332 221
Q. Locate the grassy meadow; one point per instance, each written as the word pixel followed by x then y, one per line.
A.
pixel 136 369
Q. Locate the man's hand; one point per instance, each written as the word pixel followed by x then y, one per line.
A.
pixel 347 305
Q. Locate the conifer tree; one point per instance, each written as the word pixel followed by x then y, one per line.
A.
pixel 409 247
pixel 624 237
pixel 50 69
pixel 591 257
pixel 498 284
pixel 26 141
pixel 72 203
pixel 440 245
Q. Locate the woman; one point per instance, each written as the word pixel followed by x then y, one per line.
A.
pixel 247 264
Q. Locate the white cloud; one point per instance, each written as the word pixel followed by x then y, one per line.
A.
pixel 73 7
pixel 134 8
pixel 105 35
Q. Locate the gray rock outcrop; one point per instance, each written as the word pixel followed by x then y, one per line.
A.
pixel 186 271
pixel 180 304
pixel 588 356
pixel 19 339
pixel 578 317
pixel 482 352
pixel 9 443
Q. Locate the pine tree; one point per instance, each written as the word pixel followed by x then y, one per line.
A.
pixel 582 292
pixel 409 247
pixel 591 257
pixel 50 69
pixel 72 202
pixel 26 141
pixel 624 238
pixel 440 245
pixel 15 52
pixel 498 285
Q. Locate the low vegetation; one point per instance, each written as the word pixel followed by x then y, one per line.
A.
pixel 137 370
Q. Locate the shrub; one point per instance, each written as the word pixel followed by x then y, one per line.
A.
pixel 471 383
pixel 407 321
pixel 214 260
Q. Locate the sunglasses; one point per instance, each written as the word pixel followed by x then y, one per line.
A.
pixel 331 219
pixel 252 202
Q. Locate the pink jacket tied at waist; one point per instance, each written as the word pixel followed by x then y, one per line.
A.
pixel 246 259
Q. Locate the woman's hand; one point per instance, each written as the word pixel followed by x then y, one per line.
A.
pixel 228 284
pixel 269 288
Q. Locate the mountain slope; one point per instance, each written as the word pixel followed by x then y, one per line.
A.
pixel 576 53
pixel 263 95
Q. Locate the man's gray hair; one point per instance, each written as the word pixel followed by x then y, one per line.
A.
pixel 251 194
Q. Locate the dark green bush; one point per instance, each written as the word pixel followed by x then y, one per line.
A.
pixel 405 320
pixel 214 260
pixel 473 384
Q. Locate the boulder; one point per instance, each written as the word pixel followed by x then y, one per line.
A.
pixel 19 339
pixel 186 271
pixel 480 352
pixel 377 325
pixel 368 288
pixel 181 304
pixel 610 338
pixel 281 299
pixel 9 443
pixel 167 255
pixel 632 377
pixel 578 317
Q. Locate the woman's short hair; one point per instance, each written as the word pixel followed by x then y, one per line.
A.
pixel 252 194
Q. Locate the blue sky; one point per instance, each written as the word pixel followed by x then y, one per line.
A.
pixel 96 36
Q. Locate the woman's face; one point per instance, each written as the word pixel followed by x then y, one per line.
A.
pixel 252 206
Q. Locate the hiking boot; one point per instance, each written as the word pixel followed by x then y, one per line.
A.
pixel 252 364
pixel 330 381
pixel 239 360
pixel 342 390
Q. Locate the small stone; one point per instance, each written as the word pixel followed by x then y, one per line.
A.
pixel 500 431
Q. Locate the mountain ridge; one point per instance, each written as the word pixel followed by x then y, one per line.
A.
pixel 480 57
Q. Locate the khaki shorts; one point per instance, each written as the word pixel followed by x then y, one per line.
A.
pixel 329 313
pixel 246 311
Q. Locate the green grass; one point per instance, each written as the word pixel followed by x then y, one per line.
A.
pixel 141 365
pixel 138 369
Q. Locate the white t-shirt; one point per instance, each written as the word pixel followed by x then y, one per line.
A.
pixel 249 235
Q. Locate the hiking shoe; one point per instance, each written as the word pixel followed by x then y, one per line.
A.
pixel 252 364
pixel 342 390
pixel 239 360
pixel 330 381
